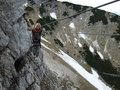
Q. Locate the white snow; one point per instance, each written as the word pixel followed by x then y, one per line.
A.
pixel 95 73
pixel 92 78
pixel 95 44
pixel 66 35
pixel 39 16
pixel 101 56
pixel 105 48
pixel 25 4
pixel 53 15
pixel 91 49
pixel 114 8
pixel 76 41
pixel 45 39
pixel 72 25
pixel 68 38
pixel 83 36
pixel 80 45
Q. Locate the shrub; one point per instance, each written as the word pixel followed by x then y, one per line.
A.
pixel 28 8
pixel 99 15
pixel 57 41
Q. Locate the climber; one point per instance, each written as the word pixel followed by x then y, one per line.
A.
pixel 36 35
pixel 36 39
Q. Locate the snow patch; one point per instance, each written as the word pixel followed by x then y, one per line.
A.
pixel 95 44
pixel 45 39
pixel 105 48
pixel 53 15
pixel 68 38
pixel 25 5
pixel 72 25
pixel 79 44
pixel 95 73
pixel 101 56
pixel 83 36
pixel 91 49
pixel 75 41
pixel 39 16
pixel 66 35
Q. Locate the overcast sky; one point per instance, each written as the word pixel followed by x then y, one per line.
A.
pixel 114 8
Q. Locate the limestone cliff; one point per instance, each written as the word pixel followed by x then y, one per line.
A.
pixel 18 69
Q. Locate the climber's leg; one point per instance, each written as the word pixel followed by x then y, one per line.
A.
pixel 33 50
pixel 37 51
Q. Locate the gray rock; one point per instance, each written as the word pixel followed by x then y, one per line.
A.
pixel 20 41
pixel 29 78
pixel 36 87
pixel 4 40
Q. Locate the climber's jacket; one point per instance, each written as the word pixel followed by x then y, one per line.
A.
pixel 36 34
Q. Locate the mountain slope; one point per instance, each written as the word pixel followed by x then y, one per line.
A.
pixel 70 61
pixel 100 52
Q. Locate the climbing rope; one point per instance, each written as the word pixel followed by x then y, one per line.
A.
pixel 82 12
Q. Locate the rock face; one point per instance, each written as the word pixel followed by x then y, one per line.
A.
pixel 18 69
pixel 14 34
